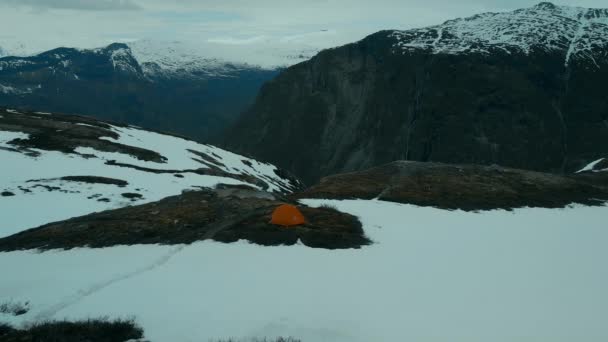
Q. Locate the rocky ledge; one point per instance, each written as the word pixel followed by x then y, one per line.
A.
pixel 466 187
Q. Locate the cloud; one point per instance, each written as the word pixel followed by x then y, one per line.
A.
pixel 229 23
pixel 84 5
pixel 238 41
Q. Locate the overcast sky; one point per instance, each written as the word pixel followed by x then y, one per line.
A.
pixel 45 24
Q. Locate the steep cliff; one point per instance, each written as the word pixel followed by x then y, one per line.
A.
pixel 522 89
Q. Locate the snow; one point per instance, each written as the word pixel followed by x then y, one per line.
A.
pixel 591 166
pixel 177 150
pixel 577 32
pixel 13 64
pixel 9 90
pixel 121 60
pixel 76 198
pixel 220 58
pixel 432 275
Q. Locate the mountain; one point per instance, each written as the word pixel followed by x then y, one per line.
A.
pixel 189 95
pixel 57 166
pixel 523 89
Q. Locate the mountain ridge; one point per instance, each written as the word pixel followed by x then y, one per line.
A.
pixel 578 31
pixel 362 105
pixel 110 84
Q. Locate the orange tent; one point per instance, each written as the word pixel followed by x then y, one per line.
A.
pixel 287 215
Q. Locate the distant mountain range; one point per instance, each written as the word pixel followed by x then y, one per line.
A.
pixel 167 90
pixel 523 89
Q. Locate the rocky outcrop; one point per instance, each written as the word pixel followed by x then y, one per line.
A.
pixel 227 214
pixel 528 93
pixel 466 187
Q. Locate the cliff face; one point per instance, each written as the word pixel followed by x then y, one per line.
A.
pixel 433 95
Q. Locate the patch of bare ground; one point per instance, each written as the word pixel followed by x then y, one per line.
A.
pixel 466 187
pixel 227 215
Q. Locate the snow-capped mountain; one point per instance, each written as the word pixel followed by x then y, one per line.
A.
pixel 63 166
pixel 524 89
pixel 577 33
pixel 69 63
pixel 137 59
pixel 166 90
pixel 209 57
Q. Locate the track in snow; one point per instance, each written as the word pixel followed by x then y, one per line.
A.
pixel 48 313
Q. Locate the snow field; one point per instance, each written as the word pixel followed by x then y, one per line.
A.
pixel 432 275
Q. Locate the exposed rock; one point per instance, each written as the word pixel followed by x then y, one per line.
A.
pixel 96 180
pixel 466 187
pixel 131 195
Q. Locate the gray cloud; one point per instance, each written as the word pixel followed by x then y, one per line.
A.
pixel 86 5
pixel 37 25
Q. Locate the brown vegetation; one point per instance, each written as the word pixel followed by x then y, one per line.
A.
pixel 467 187
pixel 227 214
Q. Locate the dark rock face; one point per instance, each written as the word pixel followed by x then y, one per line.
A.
pixel 373 102
pixel 466 187
pixel 110 84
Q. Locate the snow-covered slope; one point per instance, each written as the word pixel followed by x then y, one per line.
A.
pixel 579 33
pixel 432 275
pixel 178 58
pixel 47 176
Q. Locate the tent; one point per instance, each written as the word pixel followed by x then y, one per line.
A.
pixel 287 215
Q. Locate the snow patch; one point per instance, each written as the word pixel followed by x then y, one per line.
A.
pixel 591 166
pixel 9 90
